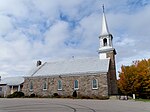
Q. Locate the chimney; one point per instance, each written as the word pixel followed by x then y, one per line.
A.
pixel 39 63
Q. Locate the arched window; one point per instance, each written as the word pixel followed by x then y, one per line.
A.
pixel 59 85
pixel 76 84
pixel 44 85
pixel 94 84
pixel 0 88
pixel 31 86
pixel 105 42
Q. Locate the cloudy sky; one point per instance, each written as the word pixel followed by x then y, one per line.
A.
pixel 46 30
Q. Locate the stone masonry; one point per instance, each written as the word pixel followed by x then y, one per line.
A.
pixel 112 80
pixel 85 85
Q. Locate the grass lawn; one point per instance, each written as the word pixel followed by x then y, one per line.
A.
pixel 144 100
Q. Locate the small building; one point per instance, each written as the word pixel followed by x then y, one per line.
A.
pixel 92 77
pixel 10 85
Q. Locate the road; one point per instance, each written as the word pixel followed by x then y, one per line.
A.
pixel 71 105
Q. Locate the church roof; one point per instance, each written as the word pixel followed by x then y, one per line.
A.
pixel 72 67
pixel 12 81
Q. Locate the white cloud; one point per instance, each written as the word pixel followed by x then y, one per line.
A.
pixel 55 36
pixel 48 8
pixel 5 25
pixel 15 8
pixel 89 29
pixel 53 29
pixel 120 42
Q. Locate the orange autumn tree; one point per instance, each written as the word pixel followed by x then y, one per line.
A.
pixel 135 79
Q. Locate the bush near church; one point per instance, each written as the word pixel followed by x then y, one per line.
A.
pixel 16 95
pixel 74 94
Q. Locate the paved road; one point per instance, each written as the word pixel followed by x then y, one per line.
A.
pixel 71 105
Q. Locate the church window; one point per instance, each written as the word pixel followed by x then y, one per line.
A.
pixel 31 86
pixel 59 85
pixel 76 84
pixel 45 86
pixel 0 88
pixel 94 84
pixel 105 42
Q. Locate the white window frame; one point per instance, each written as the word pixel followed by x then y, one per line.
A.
pixel 59 83
pixel 96 84
pixel 31 83
pixel 44 85
pixel 75 85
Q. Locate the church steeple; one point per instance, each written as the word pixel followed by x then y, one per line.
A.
pixel 105 30
pixel 105 38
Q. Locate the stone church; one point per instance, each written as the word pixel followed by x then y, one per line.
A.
pixel 87 76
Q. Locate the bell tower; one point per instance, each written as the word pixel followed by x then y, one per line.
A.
pixel 106 50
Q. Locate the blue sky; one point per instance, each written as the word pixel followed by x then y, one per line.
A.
pixel 46 30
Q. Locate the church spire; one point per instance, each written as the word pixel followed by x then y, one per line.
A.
pixel 105 30
pixel 105 39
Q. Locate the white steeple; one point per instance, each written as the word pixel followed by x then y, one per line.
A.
pixel 105 30
pixel 105 39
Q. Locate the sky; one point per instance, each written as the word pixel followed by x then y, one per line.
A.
pixel 48 30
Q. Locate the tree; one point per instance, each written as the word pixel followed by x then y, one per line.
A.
pixel 135 79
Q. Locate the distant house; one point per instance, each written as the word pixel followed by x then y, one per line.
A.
pixel 10 84
pixel 95 76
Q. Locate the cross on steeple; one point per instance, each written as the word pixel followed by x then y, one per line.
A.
pixel 103 7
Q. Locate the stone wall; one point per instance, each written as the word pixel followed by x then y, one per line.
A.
pixel 112 80
pixel 85 85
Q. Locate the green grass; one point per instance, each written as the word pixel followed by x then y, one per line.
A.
pixel 144 100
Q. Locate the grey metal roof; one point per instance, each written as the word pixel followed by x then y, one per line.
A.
pixel 72 66
pixel 12 81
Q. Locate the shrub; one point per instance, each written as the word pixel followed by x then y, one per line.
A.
pixel 102 97
pixel 85 97
pixel 93 97
pixel 56 95
pixel 10 96
pixel 32 95
pixel 16 95
pixel 19 94
pixel 74 94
